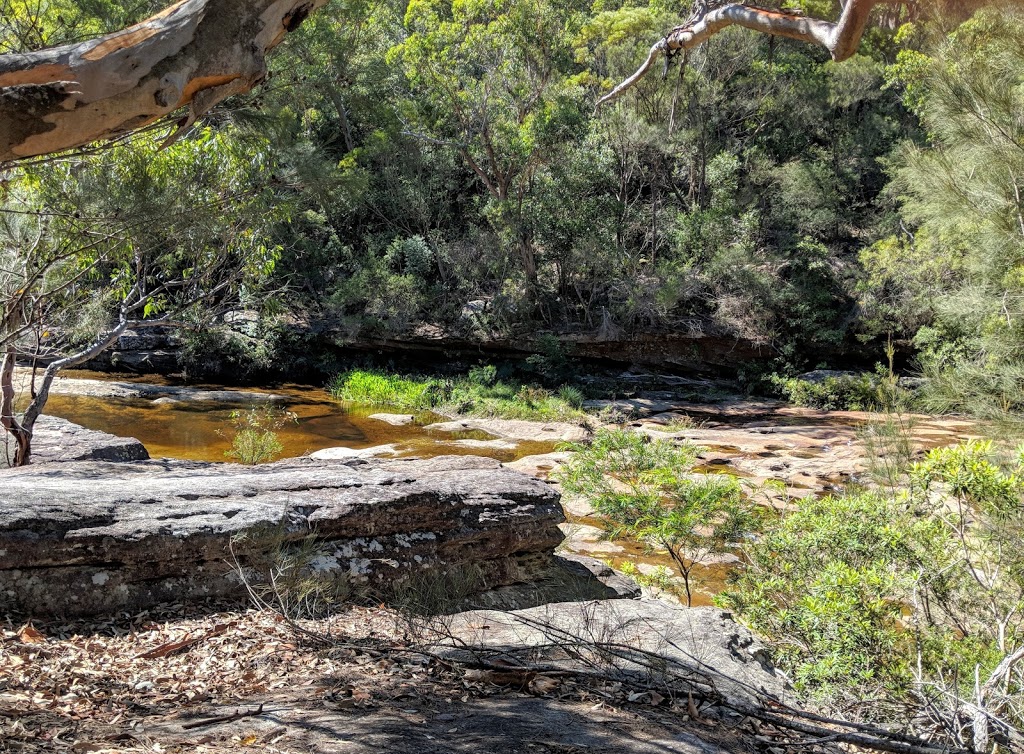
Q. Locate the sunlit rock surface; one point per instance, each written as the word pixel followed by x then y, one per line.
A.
pixel 95 537
pixel 57 439
pixel 628 637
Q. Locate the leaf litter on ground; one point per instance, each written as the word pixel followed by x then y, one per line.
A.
pixel 97 686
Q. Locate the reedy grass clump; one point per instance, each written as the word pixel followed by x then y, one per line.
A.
pixel 381 389
pixel 479 393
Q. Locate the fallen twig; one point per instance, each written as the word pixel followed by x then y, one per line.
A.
pixel 236 715
pixel 189 641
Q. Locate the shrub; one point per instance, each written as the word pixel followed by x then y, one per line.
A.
pixel 551 361
pixel 484 375
pixel 827 585
pixel 642 487
pixel 833 393
pixel 907 597
pixel 255 438
pixel 410 256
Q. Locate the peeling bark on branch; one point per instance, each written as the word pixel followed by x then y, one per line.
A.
pixel 194 53
pixel 840 38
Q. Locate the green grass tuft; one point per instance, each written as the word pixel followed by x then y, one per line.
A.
pixel 478 393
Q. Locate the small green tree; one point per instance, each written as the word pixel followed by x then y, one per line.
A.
pixel 647 490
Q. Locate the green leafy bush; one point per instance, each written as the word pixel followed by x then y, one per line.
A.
pixel 827 584
pixel 907 597
pixel 484 375
pixel 832 393
pixel 551 361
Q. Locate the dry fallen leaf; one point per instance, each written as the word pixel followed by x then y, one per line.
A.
pixel 165 649
pixel 28 634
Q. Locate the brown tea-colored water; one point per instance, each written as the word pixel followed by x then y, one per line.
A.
pixel 202 431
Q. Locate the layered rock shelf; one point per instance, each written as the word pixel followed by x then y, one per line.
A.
pixel 57 439
pixel 94 537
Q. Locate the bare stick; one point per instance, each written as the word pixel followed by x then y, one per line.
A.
pixel 236 715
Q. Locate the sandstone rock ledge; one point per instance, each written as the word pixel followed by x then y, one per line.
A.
pixel 57 439
pixel 92 537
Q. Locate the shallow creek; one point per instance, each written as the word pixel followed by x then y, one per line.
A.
pixel 201 430
pixel 808 452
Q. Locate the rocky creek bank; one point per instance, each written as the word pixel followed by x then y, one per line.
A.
pixel 93 537
pixel 130 537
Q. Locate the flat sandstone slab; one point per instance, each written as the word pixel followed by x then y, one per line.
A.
pixel 58 440
pixel 94 537
pixel 516 429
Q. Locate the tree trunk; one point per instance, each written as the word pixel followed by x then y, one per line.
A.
pixel 22 429
pixel 193 54
pixel 528 257
pixel 8 419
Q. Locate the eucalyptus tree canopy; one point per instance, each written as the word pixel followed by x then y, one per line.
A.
pixel 195 53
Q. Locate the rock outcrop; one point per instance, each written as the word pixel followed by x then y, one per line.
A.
pixel 162 393
pixel 648 637
pixel 515 429
pixel 56 439
pixel 99 537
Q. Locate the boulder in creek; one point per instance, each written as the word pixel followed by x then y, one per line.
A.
pixel 93 537
pixel 395 420
pixel 56 439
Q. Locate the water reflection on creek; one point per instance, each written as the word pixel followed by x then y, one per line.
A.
pixel 202 430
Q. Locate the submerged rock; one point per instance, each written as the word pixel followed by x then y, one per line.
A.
pixel 395 420
pixel 101 537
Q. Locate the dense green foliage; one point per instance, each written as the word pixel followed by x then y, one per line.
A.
pixel 438 163
pixel 477 393
pixel 646 489
pixel 952 279
pixel 834 392
pixel 910 596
